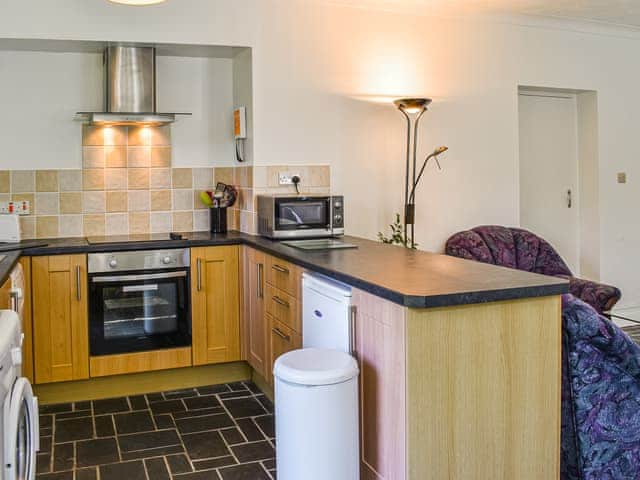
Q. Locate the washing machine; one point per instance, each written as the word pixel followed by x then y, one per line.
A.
pixel 19 426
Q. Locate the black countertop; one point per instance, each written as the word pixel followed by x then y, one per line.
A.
pixel 408 277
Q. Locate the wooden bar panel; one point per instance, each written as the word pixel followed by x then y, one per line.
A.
pixel 140 362
pixel 254 332
pixel 284 276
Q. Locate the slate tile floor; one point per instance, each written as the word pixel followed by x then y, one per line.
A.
pixel 219 432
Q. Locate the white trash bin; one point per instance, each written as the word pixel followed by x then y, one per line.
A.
pixel 316 399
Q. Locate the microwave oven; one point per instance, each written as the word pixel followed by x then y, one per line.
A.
pixel 300 216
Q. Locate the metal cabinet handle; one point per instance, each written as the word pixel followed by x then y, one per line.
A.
pixel 569 199
pixel 282 335
pixel 280 269
pixel 199 274
pixel 78 283
pixel 260 280
pixel 353 313
pixel 15 300
pixel 280 301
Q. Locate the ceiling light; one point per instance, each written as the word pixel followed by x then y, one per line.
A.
pixel 138 3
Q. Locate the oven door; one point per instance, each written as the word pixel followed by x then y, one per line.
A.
pixel 302 213
pixel 134 312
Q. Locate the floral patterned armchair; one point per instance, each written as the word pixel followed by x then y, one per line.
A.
pixel 523 250
pixel 600 397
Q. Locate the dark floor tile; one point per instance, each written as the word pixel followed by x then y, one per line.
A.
pixel 157 469
pixel 232 436
pixel 197 403
pixel 74 429
pixel 185 393
pixel 269 464
pixel 145 441
pixel 214 463
pixel 167 406
pixel 69 415
pixel 252 471
pixel 56 476
pixel 237 394
pixel 63 456
pixel 265 402
pixel 45 445
pixel 46 431
pixel 252 387
pixel 46 421
pixel 251 452
pixel 212 389
pixel 96 452
pixel 237 386
pixel 198 413
pixel 179 464
pixel 244 407
pixel 203 475
pixel 267 425
pixel 56 408
pixel 104 426
pixel 81 406
pixel 126 470
pixel 110 405
pixel 154 397
pixel 133 422
pixel 205 445
pixel 164 421
pixel 273 474
pixel 138 402
pixel 43 463
pixel 201 424
pixel 87 474
pixel 152 452
pixel 250 429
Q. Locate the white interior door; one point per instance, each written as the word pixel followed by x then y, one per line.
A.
pixel 549 171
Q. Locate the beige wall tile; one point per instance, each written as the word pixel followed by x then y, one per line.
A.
pixel 243 176
pixel 245 199
pixel 28 226
pixel 197 201
pixel 139 200
pixel 247 222
pixel 233 219
pixel 259 176
pixel 160 200
pixel 70 226
pixel 70 202
pixel 183 199
pixel 117 202
pixel 140 136
pixel 92 135
pixel 319 175
pixel 5 181
pixel 138 178
pixel 115 179
pixel 161 136
pixel 47 204
pixel 116 224
pixel 159 178
pixel 160 222
pixel 182 221
pixel 23 181
pixel 223 174
pixel 160 156
pixel 29 197
pixel 116 136
pixel 93 179
pixel 93 225
pixel 93 202
pixel 138 157
pixel 272 174
pixel 5 197
pixel 70 180
pixel 93 157
pixel 201 221
pixel 139 222
pixel 182 177
pixel 47 227
pixel 115 156
pixel 203 178
pixel 46 180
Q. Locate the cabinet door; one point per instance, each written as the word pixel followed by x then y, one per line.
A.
pixel 215 314
pixel 255 324
pixel 282 339
pixel 60 323
pixel 380 351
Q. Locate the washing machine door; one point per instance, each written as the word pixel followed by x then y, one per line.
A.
pixel 20 432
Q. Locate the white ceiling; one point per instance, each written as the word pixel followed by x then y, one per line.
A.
pixel 624 13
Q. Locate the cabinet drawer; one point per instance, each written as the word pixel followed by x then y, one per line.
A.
pixel 281 340
pixel 283 307
pixel 284 276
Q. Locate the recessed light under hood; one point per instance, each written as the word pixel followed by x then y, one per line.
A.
pixel 130 89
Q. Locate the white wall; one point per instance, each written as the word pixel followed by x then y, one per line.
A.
pixel 312 65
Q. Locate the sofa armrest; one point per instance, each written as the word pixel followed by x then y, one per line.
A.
pixel 600 296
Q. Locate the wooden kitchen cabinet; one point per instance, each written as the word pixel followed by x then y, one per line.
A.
pixel 255 328
pixel 215 304
pixel 282 339
pixel 60 321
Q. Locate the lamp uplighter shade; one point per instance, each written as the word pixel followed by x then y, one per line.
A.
pixel 138 3
pixel 412 105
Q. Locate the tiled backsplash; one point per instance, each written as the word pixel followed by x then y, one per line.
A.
pixel 127 185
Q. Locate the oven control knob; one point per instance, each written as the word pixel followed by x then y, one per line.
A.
pixel 166 260
pixel 113 263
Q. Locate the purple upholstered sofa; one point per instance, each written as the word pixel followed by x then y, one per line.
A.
pixel 522 250
pixel 600 397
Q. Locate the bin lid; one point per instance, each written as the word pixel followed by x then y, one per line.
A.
pixel 315 366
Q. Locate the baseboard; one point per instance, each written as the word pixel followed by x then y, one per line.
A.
pixel 262 384
pixel 137 383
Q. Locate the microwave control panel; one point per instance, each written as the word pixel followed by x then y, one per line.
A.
pixel 337 205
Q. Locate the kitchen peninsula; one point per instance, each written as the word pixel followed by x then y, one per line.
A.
pixel 460 361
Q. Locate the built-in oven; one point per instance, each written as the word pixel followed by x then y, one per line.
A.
pixel 300 216
pixel 139 301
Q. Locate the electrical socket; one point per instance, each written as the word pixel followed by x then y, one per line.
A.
pixel 20 207
pixel 284 178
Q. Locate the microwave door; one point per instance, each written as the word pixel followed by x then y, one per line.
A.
pixel 292 214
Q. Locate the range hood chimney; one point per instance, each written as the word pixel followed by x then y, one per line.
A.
pixel 130 89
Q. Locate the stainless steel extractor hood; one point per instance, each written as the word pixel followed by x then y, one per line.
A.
pixel 130 89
